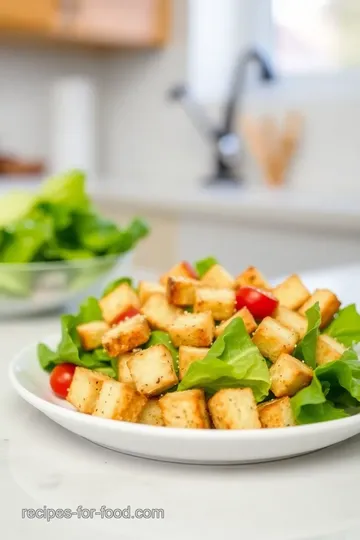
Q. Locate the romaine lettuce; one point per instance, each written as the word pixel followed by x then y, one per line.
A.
pixel 204 265
pixel 306 349
pixel 346 326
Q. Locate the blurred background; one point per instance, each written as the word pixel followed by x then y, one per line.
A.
pixel 233 126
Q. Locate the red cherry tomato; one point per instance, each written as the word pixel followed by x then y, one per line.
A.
pixel 260 303
pixel 190 270
pixel 60 379
pixel 127 314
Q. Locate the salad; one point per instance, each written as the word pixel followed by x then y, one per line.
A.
pixel 202 349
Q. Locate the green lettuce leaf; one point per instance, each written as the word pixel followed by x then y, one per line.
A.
pixel 96 233
pixel 138 229
pixel 15 206
pixel 306 349
pixel 345 328
pixel 162 338
pixel 114 284
pixel 204 265
pixel 66 189
pixel 232 362
pixel 24 240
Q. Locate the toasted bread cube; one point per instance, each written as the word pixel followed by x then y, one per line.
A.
pixel 291 293
pixel 221 302
pixel 152 370
pixel 272 339
pixel 185 409
pixel 234 408
pixel 85 388
pixel 119 401
pixel 328 350
pixel 151 413
pixel 292 320
pixel 245 315
pixel 188 355
pixel 159 313
pixel 252 277
pixel 147 289
pixel 91 334
pixel 180 291
pixel 276 413
pixel 118 302
pixel 289 375
pixel 193 329
pixel 183 269
pixel 329 305
pixel 124 374
pixel 218 278
pixel 125 336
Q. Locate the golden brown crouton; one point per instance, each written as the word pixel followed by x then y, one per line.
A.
pixel 245 315
pixel 151 414
pixel 85 388
pixel 218 278
pixel 124 374
pixel 291 293
pixel 221 302
pixel 159 313
pixel 292 320
pixel 91 334
pixel 234 408
pixel 180 291
pixel 183 269
pixel 193 329
pixel 119 401
pixel 252 277
pixel 152 370
pixel 272 339
pixel 329 305
pixel 147 289
pixel 118 302
pixel 188 355
pixel 125 336
pixel 276 413
pixel 185 409
pixel 328 350
pixel 289 375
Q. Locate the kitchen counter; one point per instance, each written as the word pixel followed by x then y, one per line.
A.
pixel 312 497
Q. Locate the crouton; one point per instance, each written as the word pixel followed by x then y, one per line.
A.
pixel 147 289
pixel 291 293
pixel 159 313
pixel 124 374
pixel 183 269
pixel 221 302
pixel 292 320
pixel 252 277
pixel 329 305
pixel 272 339
pixel 185 409
pixel 181 291
pixel 328 350
pixel 125 336
pixel 193 329
pixel 243 314
pixel 85 388
pixel 151 414
pixel 276 413
pixel 119 401
pixel 218 278
pixel 91 334
pixel 188 355
pixel 289 375
pixel 234 408
pixel 118 302
pixel 152 370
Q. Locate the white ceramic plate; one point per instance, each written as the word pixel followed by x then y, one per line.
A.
pixel 170 444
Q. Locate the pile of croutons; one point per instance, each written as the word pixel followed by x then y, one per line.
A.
pixel 144 392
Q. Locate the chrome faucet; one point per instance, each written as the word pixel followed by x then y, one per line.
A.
pixel 224 138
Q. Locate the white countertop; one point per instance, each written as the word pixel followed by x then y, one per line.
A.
pixel 312 497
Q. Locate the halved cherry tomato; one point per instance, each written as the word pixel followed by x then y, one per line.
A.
pixel 190 270
pixel 60 379
pixel 127 314
pixel 260 303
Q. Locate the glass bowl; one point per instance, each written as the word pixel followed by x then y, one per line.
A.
pixel 48 286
